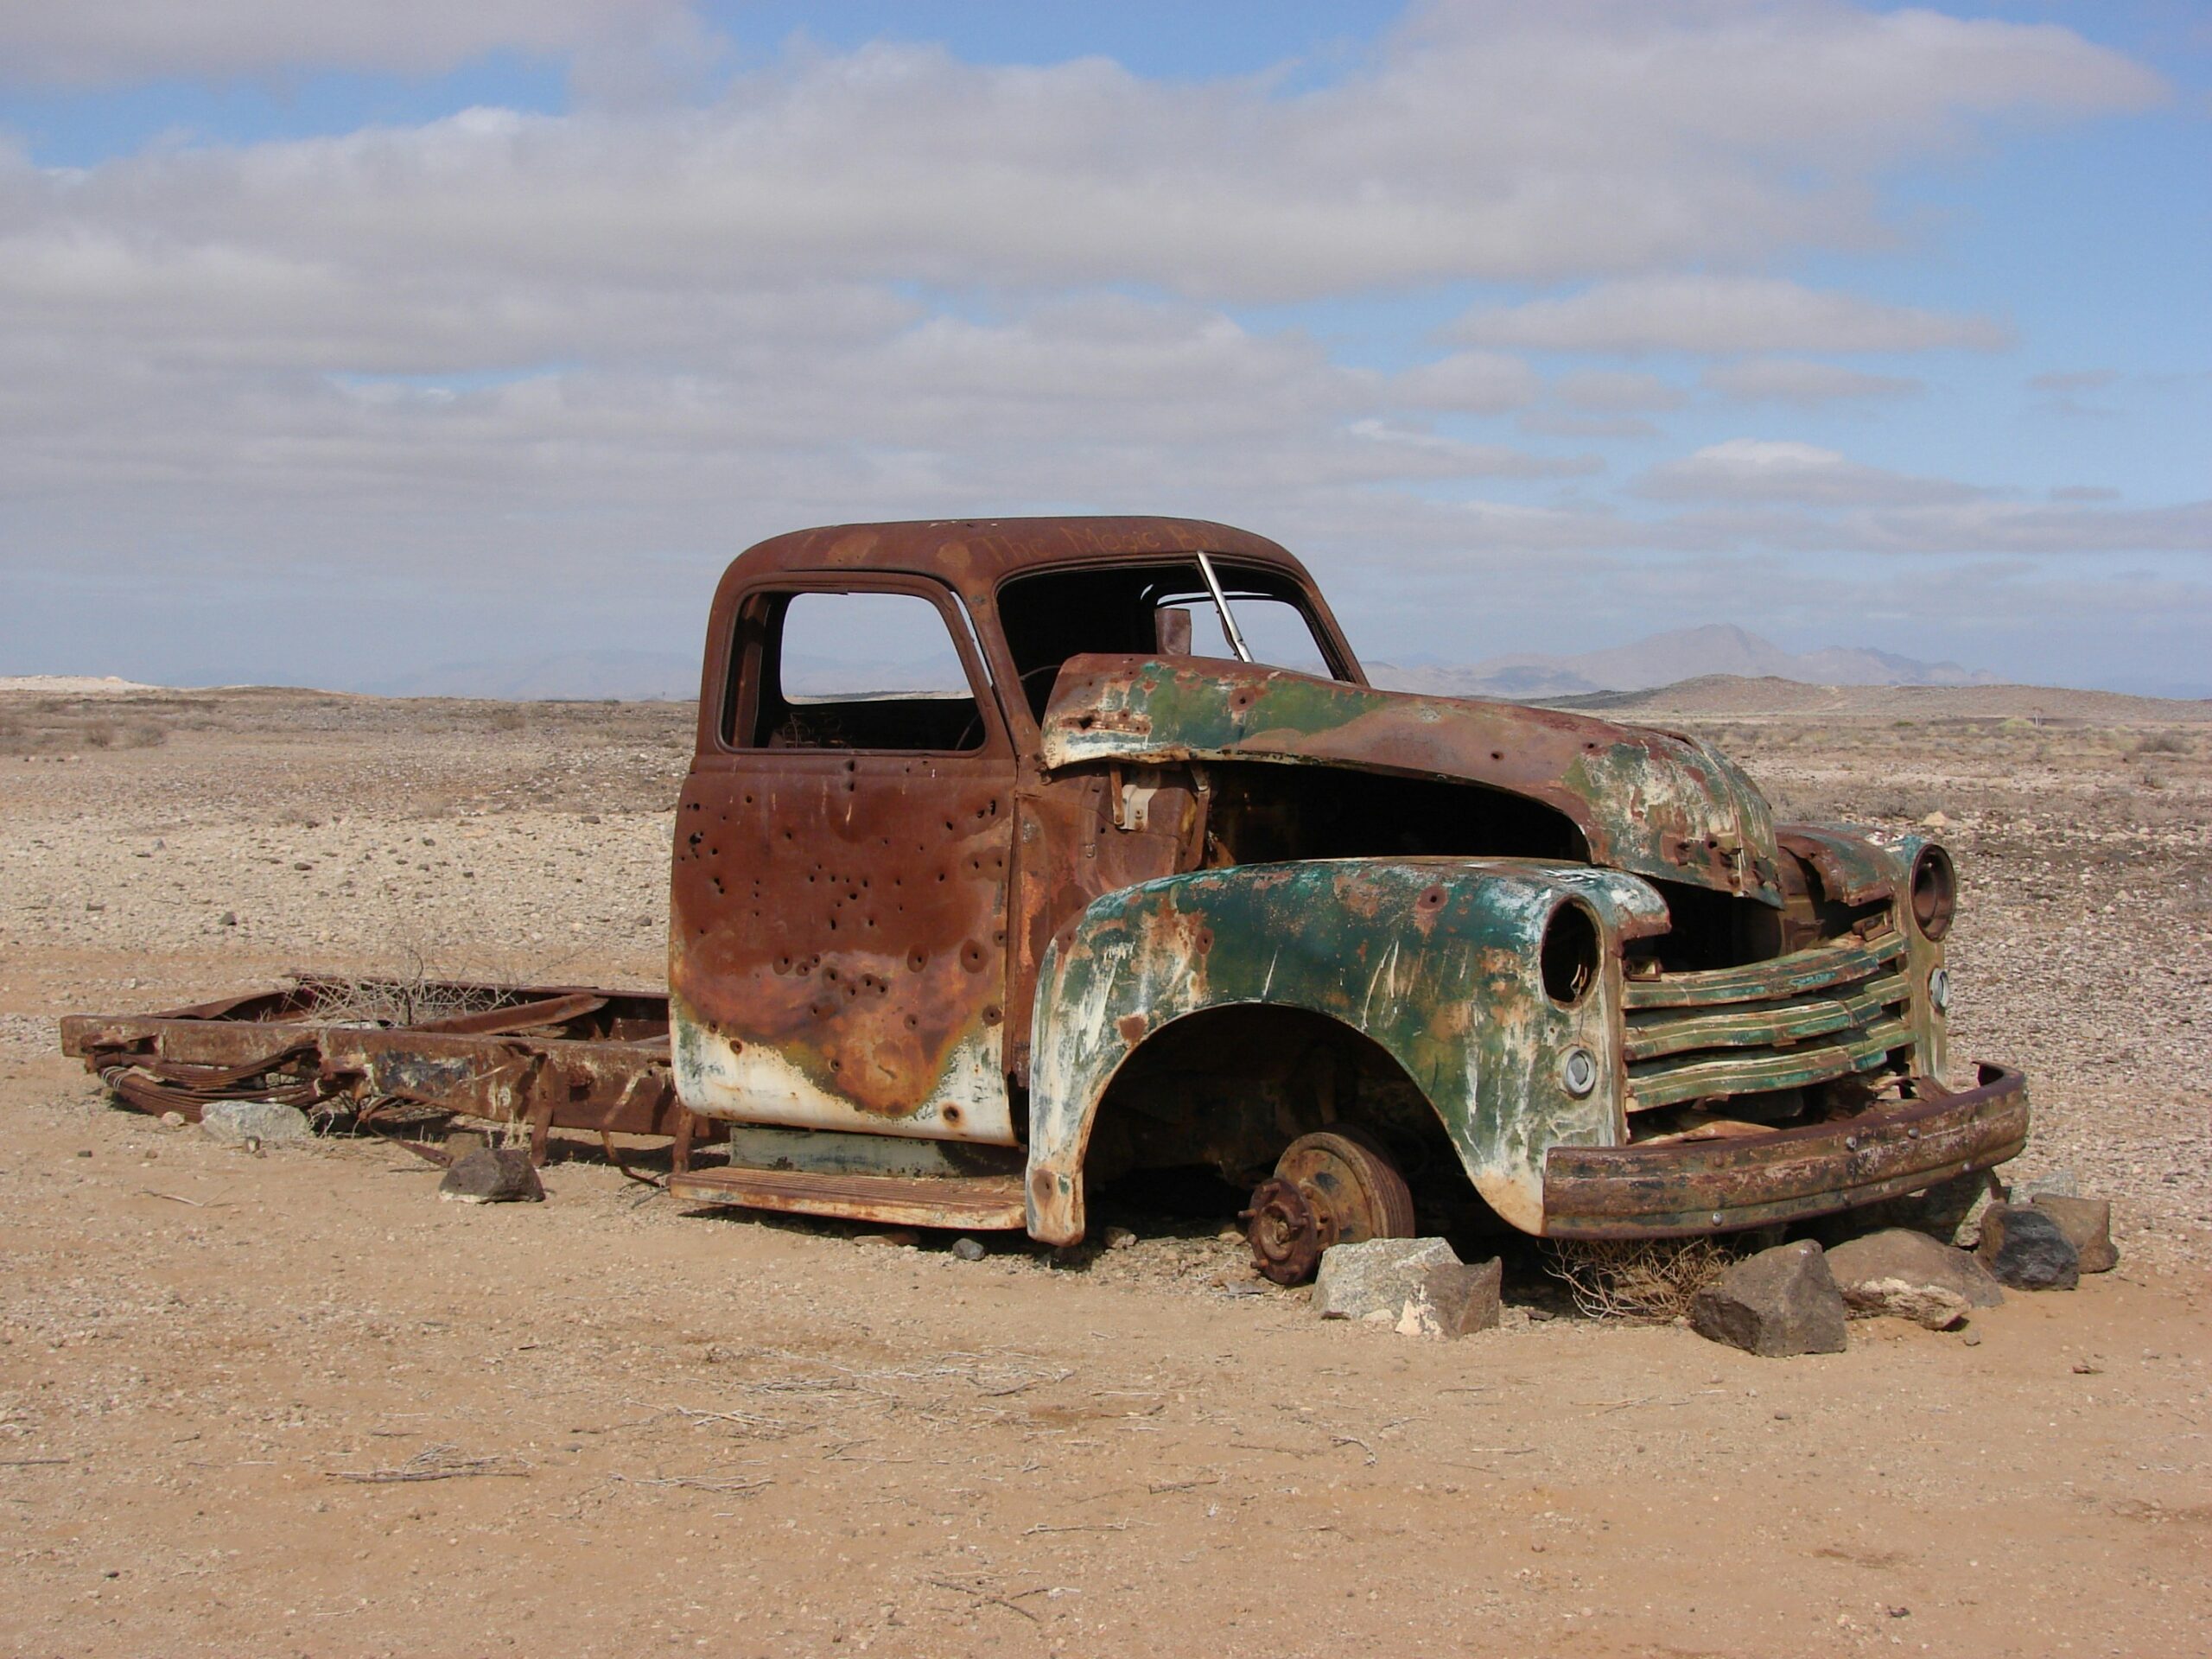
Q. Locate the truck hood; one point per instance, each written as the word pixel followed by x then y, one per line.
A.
pixel 1654 803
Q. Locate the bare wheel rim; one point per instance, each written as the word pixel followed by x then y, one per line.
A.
pixel 1352 1185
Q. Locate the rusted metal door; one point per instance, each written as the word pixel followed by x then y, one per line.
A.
pixel 837 957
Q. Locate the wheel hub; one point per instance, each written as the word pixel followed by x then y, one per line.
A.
pixel 1336 1187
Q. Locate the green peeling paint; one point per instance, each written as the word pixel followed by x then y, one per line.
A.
pixel 1654 803
pixel 1437 961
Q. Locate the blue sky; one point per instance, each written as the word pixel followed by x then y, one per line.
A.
pixel 339 344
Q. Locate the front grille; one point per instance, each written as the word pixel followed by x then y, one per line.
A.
pixel 1806 1018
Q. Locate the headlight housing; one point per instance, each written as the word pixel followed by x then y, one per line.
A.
pixel 1935 896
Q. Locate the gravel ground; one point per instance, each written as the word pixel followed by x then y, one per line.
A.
pixel 198 842
pixel 291 1403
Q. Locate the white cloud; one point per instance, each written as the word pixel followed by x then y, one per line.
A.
pixel 519 350
pixel 2063 381
pixel 1616 390
pixel 1426 454
pixel 1477 382
pixel 1561 424
pixel 1717 314
pixel 1498 141
pixel 107 43
pixel 1798 381
pixel 1752 469
pixel 2029 529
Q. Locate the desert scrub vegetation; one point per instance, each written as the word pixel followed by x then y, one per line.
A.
pixel 52 726
pixel 1643 1280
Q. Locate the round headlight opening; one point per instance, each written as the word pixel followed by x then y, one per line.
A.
pixel 1569 956
pixel 1935 893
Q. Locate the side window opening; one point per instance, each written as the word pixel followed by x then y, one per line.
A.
pixel 848 671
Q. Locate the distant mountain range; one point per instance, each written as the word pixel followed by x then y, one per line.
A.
pixel 589 675
pixel 1660 659
pixel 1664 658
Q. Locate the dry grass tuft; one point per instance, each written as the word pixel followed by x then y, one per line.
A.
pixel 1646 1281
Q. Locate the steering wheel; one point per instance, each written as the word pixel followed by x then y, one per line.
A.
pixel 1043 674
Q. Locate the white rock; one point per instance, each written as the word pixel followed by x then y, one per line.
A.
pixel 234 1122
pixel 1932 1305
pixel 1379 1276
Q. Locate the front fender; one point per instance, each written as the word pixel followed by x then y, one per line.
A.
pixel 1436 960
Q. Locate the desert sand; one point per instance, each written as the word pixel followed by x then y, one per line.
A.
pixel 627 1425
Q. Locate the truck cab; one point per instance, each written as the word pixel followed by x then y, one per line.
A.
pixel 1020 855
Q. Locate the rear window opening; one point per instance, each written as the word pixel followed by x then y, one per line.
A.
pixel 1163 609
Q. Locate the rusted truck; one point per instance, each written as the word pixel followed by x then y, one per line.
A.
pixel 1018 858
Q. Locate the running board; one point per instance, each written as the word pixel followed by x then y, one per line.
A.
pixel 981 1202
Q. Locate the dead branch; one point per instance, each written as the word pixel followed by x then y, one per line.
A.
pixel 434 1463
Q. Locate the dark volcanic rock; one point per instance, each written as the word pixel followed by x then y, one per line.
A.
pixel 493 1176
pixel 2087 1224
pixel 1780 1302
pixel 2027 1248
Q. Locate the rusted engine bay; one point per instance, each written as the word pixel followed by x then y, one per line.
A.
pixel 1097 906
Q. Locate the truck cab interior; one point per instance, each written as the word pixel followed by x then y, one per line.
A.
pixel 1161 607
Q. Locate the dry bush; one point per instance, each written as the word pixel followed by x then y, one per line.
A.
pixel 1647 1281
pixel 2163 743
pixel 422 987
pixel 350 1000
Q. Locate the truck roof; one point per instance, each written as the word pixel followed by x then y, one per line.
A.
pixel 975 554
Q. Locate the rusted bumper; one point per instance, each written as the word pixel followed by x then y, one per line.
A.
pixel 1707 1186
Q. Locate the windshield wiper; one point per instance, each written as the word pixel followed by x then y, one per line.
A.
pixel 1221 604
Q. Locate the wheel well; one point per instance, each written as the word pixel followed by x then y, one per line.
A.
pixel 1229 1088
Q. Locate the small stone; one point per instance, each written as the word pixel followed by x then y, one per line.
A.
pixel 969 1249
pixel 2052 1184
pixel 1118 1239
pixel 228 918
pixel 1454 1301
pixel 255 1123
pixel 1897 1254
pixel 2027 1248
pixel 493 1175
pixel 2087 1224
pixel 1379 1275
pixel 172 1119
pixel 1973 1338
pixel 1780 1302
pixel 1930 1305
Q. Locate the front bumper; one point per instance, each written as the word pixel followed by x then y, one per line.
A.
pixel 1708 1187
